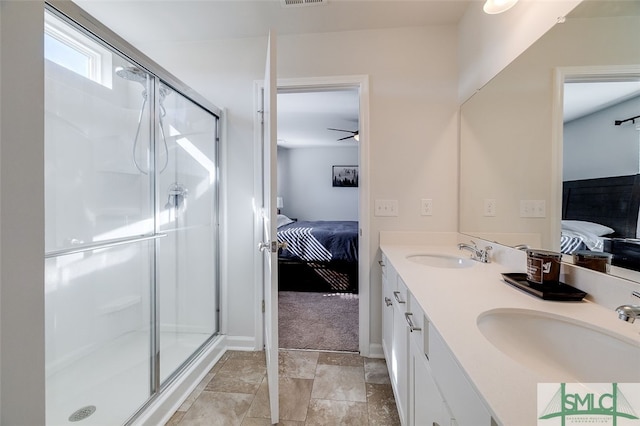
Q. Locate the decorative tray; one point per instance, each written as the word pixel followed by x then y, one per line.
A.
pixel 559 291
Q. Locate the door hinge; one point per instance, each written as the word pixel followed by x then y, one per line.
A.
pixel 263 307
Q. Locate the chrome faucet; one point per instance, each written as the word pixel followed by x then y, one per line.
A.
pixel 481 255
pixel 628 313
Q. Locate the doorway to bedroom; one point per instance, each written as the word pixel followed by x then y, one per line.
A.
pixel 318 218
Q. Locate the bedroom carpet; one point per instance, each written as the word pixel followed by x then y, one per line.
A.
pixel 320 321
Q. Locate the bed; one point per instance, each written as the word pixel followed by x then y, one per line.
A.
pixel 318 255
pixel 602 215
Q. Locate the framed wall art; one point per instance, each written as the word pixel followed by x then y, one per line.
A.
pixel 345 176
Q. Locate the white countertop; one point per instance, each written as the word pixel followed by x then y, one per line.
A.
pixel 452 300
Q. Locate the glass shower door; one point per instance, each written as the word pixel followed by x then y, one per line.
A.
pixel 187 198
pixel 99 231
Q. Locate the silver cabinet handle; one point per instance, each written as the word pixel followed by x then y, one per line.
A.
pixel 412 327
pixel 387 301
pixel 396 294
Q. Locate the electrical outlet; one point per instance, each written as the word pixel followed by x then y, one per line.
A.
pixel 489 207
pixel 426 207
pixel 385 208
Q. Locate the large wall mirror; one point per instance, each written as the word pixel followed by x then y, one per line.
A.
pixel 518 149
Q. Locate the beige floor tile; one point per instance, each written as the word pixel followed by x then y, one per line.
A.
pixel 250 421
pixel 375 371
pixel 197 391
pixel 343 413
pixel 339 383
pixel 298 364
pixel 294 399
pixel 175 419
pixel 340 358
pixel 260 404
pixel 238 375
pixel 295 395
pixel 217 408
pixel 381 405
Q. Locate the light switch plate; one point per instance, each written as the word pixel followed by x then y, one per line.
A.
pixel 489 207
pixel 386 208
pixel 533 208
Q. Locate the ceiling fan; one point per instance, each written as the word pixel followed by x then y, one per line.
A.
pixel 354 134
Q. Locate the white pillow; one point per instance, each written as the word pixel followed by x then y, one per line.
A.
pixel 586 227
pixel 283 220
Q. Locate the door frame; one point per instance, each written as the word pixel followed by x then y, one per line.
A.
pixel 360 82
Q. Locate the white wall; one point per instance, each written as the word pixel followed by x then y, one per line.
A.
pixel 304 183
pixel 22 395
pixel 488 43
pixel 594 147
pixel 413 115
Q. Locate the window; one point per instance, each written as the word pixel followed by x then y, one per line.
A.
pixel 76 52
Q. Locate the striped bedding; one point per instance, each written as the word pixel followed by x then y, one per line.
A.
pixel 570 244
pixel 320 241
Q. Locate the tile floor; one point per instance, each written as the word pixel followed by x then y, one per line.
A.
pixel 316 388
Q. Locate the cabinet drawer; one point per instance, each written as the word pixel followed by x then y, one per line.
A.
pixel 465 404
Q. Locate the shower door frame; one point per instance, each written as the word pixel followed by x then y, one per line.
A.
pixel 83 22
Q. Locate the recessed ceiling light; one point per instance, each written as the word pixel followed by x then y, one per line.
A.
pixel 493 7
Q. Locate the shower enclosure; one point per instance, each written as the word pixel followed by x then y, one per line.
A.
pixel 131 269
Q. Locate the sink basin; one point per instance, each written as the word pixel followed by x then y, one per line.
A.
pixel 441 260
pixel 561 347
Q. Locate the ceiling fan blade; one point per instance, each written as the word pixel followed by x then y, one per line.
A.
pixel 345 138
pixel 343 130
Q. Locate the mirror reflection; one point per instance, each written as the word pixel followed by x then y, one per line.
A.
pixel 515 152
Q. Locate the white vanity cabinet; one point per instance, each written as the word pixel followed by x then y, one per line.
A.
pixel 430 387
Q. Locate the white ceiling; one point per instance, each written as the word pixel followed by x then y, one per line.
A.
pixel 304 118
pixel 585 98
pixel 196 20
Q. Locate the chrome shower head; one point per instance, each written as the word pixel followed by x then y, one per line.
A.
pixel 138 75
pixel 133 74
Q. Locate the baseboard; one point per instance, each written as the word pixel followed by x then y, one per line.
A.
pixel 241 343
pixel 375 351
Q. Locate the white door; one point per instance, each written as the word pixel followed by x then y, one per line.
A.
pixel 269 245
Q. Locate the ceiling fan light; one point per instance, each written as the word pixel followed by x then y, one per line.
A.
pixel 356 137
pixel 493 7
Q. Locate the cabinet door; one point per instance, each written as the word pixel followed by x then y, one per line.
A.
pixel 465 404
pixel 388 286
pixel 400 350
pixel 427 406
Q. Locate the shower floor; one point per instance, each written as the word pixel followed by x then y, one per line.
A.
pixel 114 379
